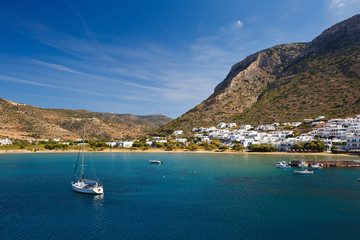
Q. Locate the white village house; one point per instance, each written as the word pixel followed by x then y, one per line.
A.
pixel 5 141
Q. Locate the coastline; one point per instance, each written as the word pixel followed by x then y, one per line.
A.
pixel 174 151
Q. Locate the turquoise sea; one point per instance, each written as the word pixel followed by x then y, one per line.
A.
pixel 190 196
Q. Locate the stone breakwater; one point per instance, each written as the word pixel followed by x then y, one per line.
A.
pixel 327 163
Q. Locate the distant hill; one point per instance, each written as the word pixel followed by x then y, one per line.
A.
pixel 288 82
pixel 22 121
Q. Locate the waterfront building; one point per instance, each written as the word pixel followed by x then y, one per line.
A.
pixel 125 144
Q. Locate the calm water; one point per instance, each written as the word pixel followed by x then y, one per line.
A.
pixel 190 196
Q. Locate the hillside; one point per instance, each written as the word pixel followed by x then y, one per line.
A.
pixel 288 82
pixel 21 121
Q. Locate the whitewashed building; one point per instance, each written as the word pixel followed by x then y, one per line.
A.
pixel 181 140
pixel 231 125
pixel 178 132
pixel 245 127
pixel 5 141
pixel 296 124
pixel 316 123
pixel 113 144
pixel 221 125
pixel 125 144
pixel 353 142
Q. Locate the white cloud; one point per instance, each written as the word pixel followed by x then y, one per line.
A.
pixel 239 24
pixel 347 6
pixel 338 3
pixel 343 9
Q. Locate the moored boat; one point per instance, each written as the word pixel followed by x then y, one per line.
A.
pixel 88 186
pixel 82 185
pixel 155 161
pixel 316 166
pixel 358 179
pixel 303 172
pixel 282 164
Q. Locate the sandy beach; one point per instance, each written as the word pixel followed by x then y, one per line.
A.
pixel 18 151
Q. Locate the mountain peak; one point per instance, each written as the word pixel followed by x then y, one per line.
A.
pixel 338 36
pixel 288 82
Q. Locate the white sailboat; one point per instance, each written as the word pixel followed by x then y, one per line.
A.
pixel 82 185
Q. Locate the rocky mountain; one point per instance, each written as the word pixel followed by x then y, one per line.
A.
pixel 288 82
pixel 22 121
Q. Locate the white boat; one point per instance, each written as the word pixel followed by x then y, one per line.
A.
pixel 87 186
pixel 155 161
pixel 316 166
pixel 282 164
pixel 82 185
pixel 303 172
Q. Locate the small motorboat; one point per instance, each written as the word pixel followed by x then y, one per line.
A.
pixel 316 166
pixel 358 179
pixel 282 164
pixel 155 161
pixel 303 172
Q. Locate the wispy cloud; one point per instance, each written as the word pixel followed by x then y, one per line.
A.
pixel 88 32
pixel 151 64
pixel 341 9
pixel 338 3
pixel 143 72
pixel 56 67
pixel 98 77
pixel 22 81
pixel 239 24
pixel 79 90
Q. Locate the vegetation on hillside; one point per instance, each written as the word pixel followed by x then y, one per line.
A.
pixel 26 122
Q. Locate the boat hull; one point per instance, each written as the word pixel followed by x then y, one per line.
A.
pixel 303 172
pixel 155 161
pixel 87 190
pixel 282 164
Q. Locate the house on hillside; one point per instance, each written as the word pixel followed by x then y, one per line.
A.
pixel 266 127
pixel 178 132
pixel 125 144
pixel 317 123
pixel 181 140
pixel 231 125
pixel 245 127
pixel 113 144
pixel 296 124
pixel 5 141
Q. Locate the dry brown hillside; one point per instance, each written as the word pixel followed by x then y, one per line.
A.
pixel 21 121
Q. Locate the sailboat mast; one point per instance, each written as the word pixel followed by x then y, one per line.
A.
pixel 82 159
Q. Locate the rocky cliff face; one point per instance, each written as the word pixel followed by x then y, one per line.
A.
pixel 288 82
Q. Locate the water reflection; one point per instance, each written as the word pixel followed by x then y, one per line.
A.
pixel 98 201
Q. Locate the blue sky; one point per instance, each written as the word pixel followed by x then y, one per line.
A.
pixel 143 57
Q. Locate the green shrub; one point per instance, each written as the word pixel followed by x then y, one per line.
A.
pixel 262 148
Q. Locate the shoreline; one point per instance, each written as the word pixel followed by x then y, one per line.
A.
pixel 174 151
